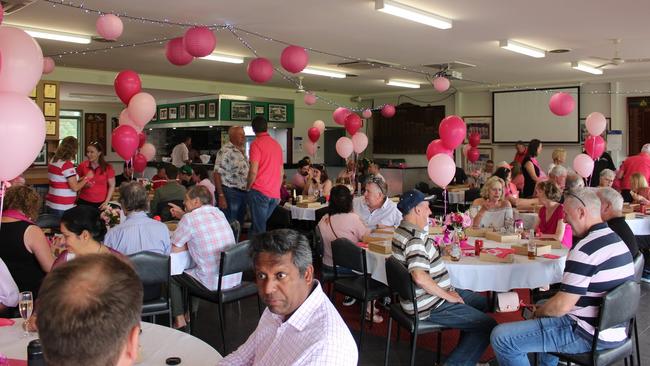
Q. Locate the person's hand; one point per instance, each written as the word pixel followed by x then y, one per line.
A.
pixel 90 175
pixel 454 297
pixel 30 324
pixel 222 202
pixel 103 206
pixel 176 211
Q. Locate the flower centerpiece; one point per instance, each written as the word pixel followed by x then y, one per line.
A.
pixel 111 216
pixel 457 222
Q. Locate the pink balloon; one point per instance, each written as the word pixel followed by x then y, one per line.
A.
pixel 109 26
pixel 466 149
pixel 294 59
pixel 125 119
pixel 452 131
pixel 388 111
pixel 22 133
pixel 2 13
pixel 199 41
pixel 142 108
pixel 127 84
pixel 353 123
pixel 48 65
pixel 142 138
pixel 561 104
pixel 596 123
pixel 441 84
pixel 320 125
pixel 367 113
pixel 139 163
pixel 583 165
pixel 437 147
pixel 148 150
pixel 595 146
pixel 124 140
pixel 22 61
pixel 344 147
pixel 310 147
pixel 473 154
pixel 176 53
pixel 340 114
pixel 314 134
pixel 310 99
pixel 359 142
pixel 260 70
pixel 441 170
pixel 474 139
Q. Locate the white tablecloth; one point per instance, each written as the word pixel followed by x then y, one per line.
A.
pixel 640 225
pixel 456 197
pixel 300 213
pixel 377 266
pixel 157 344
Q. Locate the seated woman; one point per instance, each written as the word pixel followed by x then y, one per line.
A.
pixel 492 209
pixel 550 222
pixel 318 184
pixel 639 189
pixel 511 192
pixel 24 247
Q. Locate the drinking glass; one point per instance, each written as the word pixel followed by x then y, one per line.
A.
pixel 25 306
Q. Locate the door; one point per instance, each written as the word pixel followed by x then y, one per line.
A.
pixel 638 129
pixel 331 136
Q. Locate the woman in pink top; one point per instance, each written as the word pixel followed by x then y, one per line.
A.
pixel 550 222
pixel 510 190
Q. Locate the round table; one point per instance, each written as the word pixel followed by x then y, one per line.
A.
pixel 303 213
pixel 157 344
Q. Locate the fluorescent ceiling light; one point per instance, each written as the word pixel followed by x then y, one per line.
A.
pixel 586 68
pixel 322 72
pixel 54 35
pixel 522 48
pixel 403 84
pixel 221 57
pixel 413 14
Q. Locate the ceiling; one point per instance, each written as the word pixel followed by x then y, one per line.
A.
pixel 354 28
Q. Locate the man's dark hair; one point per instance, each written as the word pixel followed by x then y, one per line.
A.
pixel 172 171
pixel 87 309
pixel 281 242
pixel 259 124
pixel 340 200
pixel 489 162
pixel 133 196
pixel 302 163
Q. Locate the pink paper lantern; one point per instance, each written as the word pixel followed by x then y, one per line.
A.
pixel 367 113
pixel 320 125
pixel 437 147
pixel 294 59
pixel 340 114
pixel 441 170
pixel 313 133
pixel 359 142
pixel 176 53
pixel 561 104
pixel 473 154
pixel 583 165
pixel 353 123
pixel 595 146
pixel 199 41
pixel 452 131
pixel 148 150
pixel 127 84
pixel 142 108
pixel 310 99
pixel 260 70
pixel 48 65
pixel 22 61
pixel 388 111
pixel 441 84
pixel 596 123
pixel 344 147
pixel 109 26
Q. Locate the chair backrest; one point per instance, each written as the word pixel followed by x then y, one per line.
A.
pixel 236 229
pixel 347 254
pixel 164 212
pixel 619 305
pixel 472 194
pixel 48 221
pixel 152 268
pixel 235 260
pixel 399 279
pixel 639 263
pixel 279 219
pixel 317 246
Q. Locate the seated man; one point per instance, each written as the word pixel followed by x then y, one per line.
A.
pixel 436 301
pixel 171 191
pixel 8 289
pixel 89 312
pixel 185 176
pixel 374 208
pixel 160 178
pixel 558 176
pixel 300 178
pixel 597 264
pixel 138 232
pixel 611 211
pixel 300 326
pixel 126 176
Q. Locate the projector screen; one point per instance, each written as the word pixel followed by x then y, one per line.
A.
pixel 523 115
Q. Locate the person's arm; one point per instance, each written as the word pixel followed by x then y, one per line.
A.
pixel 176 211
pixel 252 174
pixel 221 198
pixel 111 189
pixel 8 288
pixel 77 184
pixel 424 280
pixel 558 305
pixel 530 168
pixel 182 235
pixel 186 155
pixel 36 243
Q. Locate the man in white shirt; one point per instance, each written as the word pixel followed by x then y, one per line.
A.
pixel 300 325
pixel 8 288
pixel 181 153
pixel 374 208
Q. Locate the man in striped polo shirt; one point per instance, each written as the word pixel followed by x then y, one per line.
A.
pixel 436 299
pixel 597 264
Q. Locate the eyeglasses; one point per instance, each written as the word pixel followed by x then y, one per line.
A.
pixel 569 194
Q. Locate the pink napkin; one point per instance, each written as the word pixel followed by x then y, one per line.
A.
pixel 551 256
pixel 6 322
pixel 362 245
pixel 501 252
pixel 465 246
pixel 14 362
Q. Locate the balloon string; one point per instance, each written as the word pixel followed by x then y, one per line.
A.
pixel 444 197
pixel 3 190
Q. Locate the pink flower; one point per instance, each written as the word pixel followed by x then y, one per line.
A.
pixel 467 220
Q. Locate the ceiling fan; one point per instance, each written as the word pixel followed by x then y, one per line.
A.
pixel 616 60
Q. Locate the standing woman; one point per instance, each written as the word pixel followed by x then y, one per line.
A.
pixel 100 187
pixel 64 182
pixel 531 170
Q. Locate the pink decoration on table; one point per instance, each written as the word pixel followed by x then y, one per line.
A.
pixel 464 245
pixel 320 125
pixel 474 139
pixel 441 84
pixel 176 53
pixel 367 113
pixel 148 150
pixel 109 26
pixel 142 108
pixel 561 104
pixel 388 111
pixel 441 170
pixel 353 123
pixel 359 142
pixel 473 154
pixel 310 147
pixel 22 61
pixel 48 65
pixel 500 252
pixel 596 123
pixel 4 322
pixel 583 165
pixel 314 134
pixel 142 138
pixel 310 99
pixel 452 131
pixel 550 256
pixel 125 141
pixel 127 84
pixel 260 70
pixel 595 146
pixel 344 147
pixel 294 59
pixel 340 114
pixel 199 41
pixel 437 147
pixel 139 163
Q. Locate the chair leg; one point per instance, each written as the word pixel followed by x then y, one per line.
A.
pixel 414 341
pixel 636 343
pixel 363 318
pixel 439 348
pixel 222 318
pixel 386 352
pixel 372 313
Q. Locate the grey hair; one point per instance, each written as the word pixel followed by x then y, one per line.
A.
pixel 646 148
pixel 611 196
pixel 202 193
pixel 574 181
pixel 586 196
pixel 558 171
pixel 281 242
pixel 383 186
pixel 133 197
pixel 607 173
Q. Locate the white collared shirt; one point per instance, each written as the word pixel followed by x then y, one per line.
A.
pixel 387 214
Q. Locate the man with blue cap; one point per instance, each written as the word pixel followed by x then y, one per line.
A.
pixel 436 300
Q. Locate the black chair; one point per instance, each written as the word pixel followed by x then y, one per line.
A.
pixel 233 260
pixel 618 307
pixel 361 287
pixel 153 270
pixel 325 274
pixel 49 221
pixel 236 229
pixel 400 282
pixel 163 210
pixel 639 263
pixel 279 219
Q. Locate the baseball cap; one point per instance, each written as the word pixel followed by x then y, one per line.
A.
pixel 186 169
pixel 411 199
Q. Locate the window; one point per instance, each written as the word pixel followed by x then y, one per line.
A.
pixel 70 125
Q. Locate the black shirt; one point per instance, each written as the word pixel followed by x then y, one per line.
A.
pixel 620 227
pixel 604 162
pixel 119 179
pixel 529 182
pixel 459 177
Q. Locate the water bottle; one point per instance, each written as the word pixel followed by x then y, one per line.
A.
pixel 35 353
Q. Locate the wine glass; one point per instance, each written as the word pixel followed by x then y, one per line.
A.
pixel 26 306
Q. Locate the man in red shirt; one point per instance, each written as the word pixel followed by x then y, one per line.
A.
pixel 521 152
pixel 634 164
pixel 264 176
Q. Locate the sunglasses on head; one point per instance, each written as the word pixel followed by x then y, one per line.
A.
pixel 569 194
